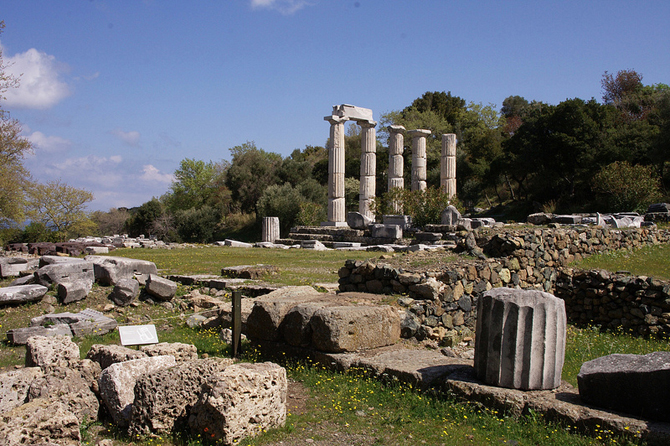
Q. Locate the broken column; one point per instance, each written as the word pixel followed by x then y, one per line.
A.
pixel 419 161
pixel 336 205
pixel 368 167
pixel 520 339
pixel 448 165
pixel 270 229
pixel 396 161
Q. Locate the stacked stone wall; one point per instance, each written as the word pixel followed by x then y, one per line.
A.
pixel 442 304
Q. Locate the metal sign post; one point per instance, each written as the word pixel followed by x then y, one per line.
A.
pixel 237 322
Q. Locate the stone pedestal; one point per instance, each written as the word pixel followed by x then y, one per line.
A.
pixel 419 158
pixel 396 161
pixel 368 167
pixel 336 208
pixel 448 164
pixel 520 339
pixel 270 229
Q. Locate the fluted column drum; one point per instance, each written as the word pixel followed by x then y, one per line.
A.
pixel 520 339
pixel 270 229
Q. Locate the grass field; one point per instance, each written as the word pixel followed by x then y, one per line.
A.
pixel 648 261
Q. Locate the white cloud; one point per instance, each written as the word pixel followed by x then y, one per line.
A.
pixel 131 138
pixel 286 7
pixel 40 84
pixel 153 175
pixel 50 144
pixel 90 170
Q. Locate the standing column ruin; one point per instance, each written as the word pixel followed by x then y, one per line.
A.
pixel 336 205
pixel 396 161
pixel 419 161
pixel 368 167
pixel 448 164
pixel 270 229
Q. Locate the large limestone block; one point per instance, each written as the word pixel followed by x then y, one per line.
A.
pixel 269 310
pixel 40 422
pixel 520 339
pixel 351 328
pixel 20 336
pixel 106 355
pixel 66 273
pixel 240 402
pixel 160 288
pixel 12 266
pixel 125 291
pixel 53 351
pixel 180 351
pixel 21 293
pixel 109 269
pixel 117 384
pixel 14 387
pixel 164 397
pixel 295 329
pixel 69 292
pixel 634 384
pixel 68 387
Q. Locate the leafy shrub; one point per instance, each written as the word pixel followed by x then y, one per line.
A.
pixel 424 206
pixel 197 225
pixel 627 187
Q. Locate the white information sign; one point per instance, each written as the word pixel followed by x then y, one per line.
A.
pixel 138 334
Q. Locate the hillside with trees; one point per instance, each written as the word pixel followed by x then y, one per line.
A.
pixel 576 156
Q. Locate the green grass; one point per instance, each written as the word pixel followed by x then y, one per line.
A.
pixel 296 267
pixel 648 261
pixel 395 414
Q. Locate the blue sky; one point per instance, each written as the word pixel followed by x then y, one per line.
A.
pixel 115 93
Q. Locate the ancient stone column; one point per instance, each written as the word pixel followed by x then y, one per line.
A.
pixel 270 229
pixel 336 208
pixel 396 161
pixel 520 339
pixel 448 164
pixel 419 160
pixel 368 167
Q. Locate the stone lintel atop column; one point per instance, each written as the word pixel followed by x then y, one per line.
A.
pixel 395 128
pixel 365 123
pixel 352 112
pixel 334 119
pixel 419 132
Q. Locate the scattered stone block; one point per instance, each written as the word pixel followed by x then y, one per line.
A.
pixel 53 351
pixel 269 311
pixel 356 220
pixel 40 422
pixel 68 387
pixel 67 272
pixel 159 288
pixel 634 384
pixel 181 352
pixel 540 218
pixel 96 250
pixel 350 328
pixel 20 336
pixel 117 384
pixel 313 244
pixel 12 266
pixel 404 221
pixel 249 272
pixel 386 231
pixel 21 293
pixel 567 219
pixel 520 339
pixel 109 269
pixel 125 291
pixel 14 387
pixel 428 236
pixel 106 355
pixel 69 292
pixel 241 401
pixel 163 398
pixel 450 216
pixel 236 244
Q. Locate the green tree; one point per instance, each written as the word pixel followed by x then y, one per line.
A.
pixel 110 222
pixel 627 187
pixel 197 225
pixel 61 208
pixel 251 171
pixel 13 148
pixel 281 201
pixel 142 218
pixel 194 184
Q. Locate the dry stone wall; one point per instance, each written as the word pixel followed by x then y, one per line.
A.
pixel 441 305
